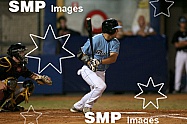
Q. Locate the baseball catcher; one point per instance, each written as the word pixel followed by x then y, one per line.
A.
pixel 105 51
pixel 11 68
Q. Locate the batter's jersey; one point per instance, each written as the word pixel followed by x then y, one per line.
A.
pixel 180 37
pixel 9 68
pixel 101 49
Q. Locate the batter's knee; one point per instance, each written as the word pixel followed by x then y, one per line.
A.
pixel 11 84
pixel 101 86
pixel 25 92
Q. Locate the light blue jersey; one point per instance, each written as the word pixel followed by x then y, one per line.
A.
pixel 101 48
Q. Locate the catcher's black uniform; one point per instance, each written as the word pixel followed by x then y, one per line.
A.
pixel 9 68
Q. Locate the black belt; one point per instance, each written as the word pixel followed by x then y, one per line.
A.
pixel 100 70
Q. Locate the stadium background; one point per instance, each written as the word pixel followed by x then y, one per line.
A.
pixel 139 57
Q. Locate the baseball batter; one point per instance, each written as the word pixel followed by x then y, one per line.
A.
pixel 180 42
pixel 11 68
pixel 105 50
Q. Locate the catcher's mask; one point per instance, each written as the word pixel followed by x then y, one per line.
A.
pixel 17 50
pixel 11 83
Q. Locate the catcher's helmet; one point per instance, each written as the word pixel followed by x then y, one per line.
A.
pixel 110 26
pixel 15 49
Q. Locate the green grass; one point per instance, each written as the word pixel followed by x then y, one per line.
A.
pixel 44 104
pixel 108 102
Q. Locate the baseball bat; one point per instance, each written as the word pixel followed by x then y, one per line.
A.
pixel 89 29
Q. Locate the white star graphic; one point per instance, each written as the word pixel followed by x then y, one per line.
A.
pixel 49 64
pixel 27 114
pixel 155 11
pixel 150 102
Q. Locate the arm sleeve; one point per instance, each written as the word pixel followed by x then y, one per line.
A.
pixel 151 30
pixel 2 70
pixel 115 48
pixel 86 48
pixel 4 65
pixel 27 73
pixel 175 38
pixel 135 29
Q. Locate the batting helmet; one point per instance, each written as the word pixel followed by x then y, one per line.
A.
pixel 110 26
pixel 15 49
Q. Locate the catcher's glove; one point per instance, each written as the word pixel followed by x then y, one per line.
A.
pixel 43 79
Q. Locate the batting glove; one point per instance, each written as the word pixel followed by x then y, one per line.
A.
pixel 92 67
pixel 95 62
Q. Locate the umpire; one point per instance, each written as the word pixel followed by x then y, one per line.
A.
pixel 11 68
pixel 180 43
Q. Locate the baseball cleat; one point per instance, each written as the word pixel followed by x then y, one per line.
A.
pixel 4 110
pixel 176 91
pixel 18 108
pixel 11 107
pixel 74 110
pixel 86 109
pixel 15 109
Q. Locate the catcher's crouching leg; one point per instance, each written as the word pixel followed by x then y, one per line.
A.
pixel 20 96
pixel 11 84
pixel 25 93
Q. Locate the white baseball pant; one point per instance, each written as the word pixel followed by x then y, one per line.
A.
pixel 180 62
pixel 96 81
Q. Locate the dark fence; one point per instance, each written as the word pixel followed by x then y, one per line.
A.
pixel 139 59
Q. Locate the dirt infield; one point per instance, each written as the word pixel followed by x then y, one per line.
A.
pixel 65 117
pixel 55 110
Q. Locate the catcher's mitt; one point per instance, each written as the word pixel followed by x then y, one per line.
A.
pixel 43 79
